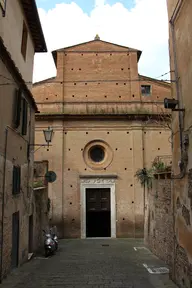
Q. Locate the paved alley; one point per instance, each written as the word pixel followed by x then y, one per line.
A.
pixel 91 263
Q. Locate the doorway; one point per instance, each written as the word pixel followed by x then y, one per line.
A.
pixel 15 240
pixel 98 212
pixel 30 240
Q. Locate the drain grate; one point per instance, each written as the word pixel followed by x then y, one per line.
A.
pixel 105 245
pixel 159 270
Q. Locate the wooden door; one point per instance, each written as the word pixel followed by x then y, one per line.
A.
pixel 98 214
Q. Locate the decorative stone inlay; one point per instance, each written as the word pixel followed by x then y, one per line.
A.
pixel 97 181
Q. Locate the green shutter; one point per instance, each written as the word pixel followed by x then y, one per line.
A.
pixel 24 117
pixel 17 108
pixel 14 183
pixel 16 180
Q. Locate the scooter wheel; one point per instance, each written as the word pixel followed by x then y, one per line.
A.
pixel 47 253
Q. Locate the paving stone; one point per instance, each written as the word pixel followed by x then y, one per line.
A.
pixel 86 264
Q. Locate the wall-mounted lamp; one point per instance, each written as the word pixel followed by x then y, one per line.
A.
pixel 48 134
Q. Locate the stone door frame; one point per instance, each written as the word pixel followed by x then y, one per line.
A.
pixel 99 182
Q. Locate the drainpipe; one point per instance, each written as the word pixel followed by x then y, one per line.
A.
pixel 184 158
pixel 3 205
pixel 63 146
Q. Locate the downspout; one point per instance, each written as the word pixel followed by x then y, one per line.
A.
pixel 3 204
pixel 184 158
pixel 63 110
pixel 144 191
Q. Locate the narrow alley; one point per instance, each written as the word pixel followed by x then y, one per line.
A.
pixel 92 263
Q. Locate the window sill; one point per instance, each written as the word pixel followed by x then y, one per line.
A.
pixel 16 195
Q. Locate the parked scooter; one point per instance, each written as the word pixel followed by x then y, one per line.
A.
pixel 54 236
pixel 49 244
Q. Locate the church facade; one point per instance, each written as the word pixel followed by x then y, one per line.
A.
pixel 107 122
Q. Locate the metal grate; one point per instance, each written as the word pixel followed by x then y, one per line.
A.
pixel 158 270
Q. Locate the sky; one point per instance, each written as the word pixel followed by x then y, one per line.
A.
pixel 139 24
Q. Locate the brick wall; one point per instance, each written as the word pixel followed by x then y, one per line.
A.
pixel 159 220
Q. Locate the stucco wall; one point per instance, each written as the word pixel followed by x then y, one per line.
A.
pixel 11 27
pixel 16 154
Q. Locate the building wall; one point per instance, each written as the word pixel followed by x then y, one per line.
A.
pixel 99 78
pixel 180 43
pixel 131 150
pixel 11 27
pixel 16 154
pixel 159 218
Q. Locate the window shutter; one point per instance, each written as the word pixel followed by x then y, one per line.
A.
pixel 17 108
pixel 14 184
pixel 16 180
pixel 24 117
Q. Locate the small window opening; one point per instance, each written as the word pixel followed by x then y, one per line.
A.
pixel 146 90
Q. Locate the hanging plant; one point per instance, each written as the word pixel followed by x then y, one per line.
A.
pixel 145 177
pixel 159 166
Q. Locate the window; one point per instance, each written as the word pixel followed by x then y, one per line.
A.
pixel 17 108
pixel 16 180
pixel 25 117
pixel 3 6
pixel 145 90
pixel 97 153
pixel 24 41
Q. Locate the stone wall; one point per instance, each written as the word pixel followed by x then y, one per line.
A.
pixel 159 219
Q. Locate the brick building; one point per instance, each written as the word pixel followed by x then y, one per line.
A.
pixel 180 23
pixel 107 122
pixel 19 20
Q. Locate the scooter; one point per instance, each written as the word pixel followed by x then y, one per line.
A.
pixel 55 238
pixel 49 244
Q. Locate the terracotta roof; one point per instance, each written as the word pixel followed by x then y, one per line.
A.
pixel 33 21
pixel 161 82
pixel 54 53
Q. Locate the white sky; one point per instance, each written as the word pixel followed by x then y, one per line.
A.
pixel 144 27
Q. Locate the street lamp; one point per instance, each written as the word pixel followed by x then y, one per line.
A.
pixel 48 134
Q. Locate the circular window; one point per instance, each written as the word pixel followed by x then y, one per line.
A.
pixel 97 153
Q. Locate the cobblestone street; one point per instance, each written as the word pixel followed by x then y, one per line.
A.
pixel 91 263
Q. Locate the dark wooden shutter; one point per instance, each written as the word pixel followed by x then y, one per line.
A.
pixel 24 117
pixel 17 108
pixel 16 180
pixel 14 184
